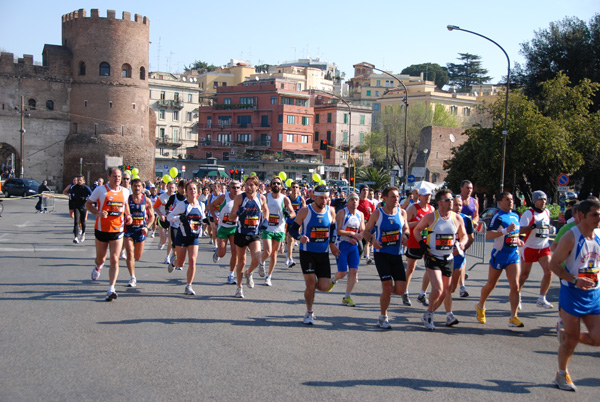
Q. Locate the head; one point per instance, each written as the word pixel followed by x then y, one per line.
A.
pixel 295 189
pixel 444 200
pixel 114 176
pixel 364 192
pixel 137 186
pixel 539 199
pixel 126 180
pixel 153 190
pixel 100 181
pixel 235 188
pixel 251 184
pixel 276 185
pixel 589 213
pixel 505 201
pixel 377 195
pixel 206 190
pixel 415 194
pixel 391 196
pixel 458 203
pixel 371 193
pixel 181 187
pixel 424 196
pixel 321 196
pixel 80 180
pixel 466 188
pixel 170 187
pixel 353 201
pixel 191 190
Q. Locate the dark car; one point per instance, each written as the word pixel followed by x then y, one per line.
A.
pixel 487 215
pixel 20 187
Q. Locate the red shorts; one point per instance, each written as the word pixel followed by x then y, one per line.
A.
pixel 534 254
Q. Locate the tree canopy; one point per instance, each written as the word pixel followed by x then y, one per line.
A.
pixel 464 75
pixel 201 66
pixel 373 175
pixel 431 72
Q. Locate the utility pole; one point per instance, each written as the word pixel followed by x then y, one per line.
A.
pixel 22 135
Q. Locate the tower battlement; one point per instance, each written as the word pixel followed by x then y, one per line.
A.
pixel 110 15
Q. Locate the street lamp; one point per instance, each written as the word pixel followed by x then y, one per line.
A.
pixel 405 100
pixel 505 129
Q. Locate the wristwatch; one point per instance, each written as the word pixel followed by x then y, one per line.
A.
pixel 574 281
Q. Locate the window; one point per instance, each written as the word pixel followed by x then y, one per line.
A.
pixel 376 93
pixel 31 103
pixel 247 100
pixel 305 121
pixel 209 122
pixel 208 155
pixel 453 109
pixel 328 117
pixel 81 68
pixel 126 71
pixel 329 136
pixel 291 119
pixel 467 111
pixel 362 138
pixel 142 73
pixel 49 105
pixel 302 102
pixel 244 137
pixel 161 133
pixel 190 98
pixel 345 118
pixel 244 121
pixel 161 114
pixel 379 83
pixel 280 119
pixel 189 134
pixel 316 136
pixel 224 121
pixel 345 138
pixel 317 118
pixel 369 92
pixel 362 119
pixel 279 137
pixel 227 101
pixel 287 100
pixel 328 154
pixel 376 107
pixel 110 104
pixel 290 138
pixel 299 87
pixel 133 105
pixel 304 139
pixel 84 103
pixel 224 138
pixel 264 121
pixel 273 100
pixel 162 95
pixel 188 116
pixel 176 96
pixel 175 115
pixel 104 69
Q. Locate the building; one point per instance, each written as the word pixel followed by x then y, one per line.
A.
pixel 88 101
pixel 234 73
pixel 435 150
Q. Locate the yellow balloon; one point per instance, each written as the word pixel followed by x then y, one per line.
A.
pixel 167 179
pixel 253 174
pixel 135 176
pixel 322 182
pixel 288 182
pixel 173 172
pixel 128 172
pixel 316 177
pixel 245 177
pixel 135 171
pixel 282 176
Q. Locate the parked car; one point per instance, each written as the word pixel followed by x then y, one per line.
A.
pixel 20 187
pixel 487 215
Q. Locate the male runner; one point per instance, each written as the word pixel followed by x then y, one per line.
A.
pixel 163 223
pixel 471 209
pixel 78 194
pixel 177 197
pixel 366 207
pixel 112 212
pixel 298 202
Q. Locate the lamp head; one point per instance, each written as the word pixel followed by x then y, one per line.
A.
pixel 452 27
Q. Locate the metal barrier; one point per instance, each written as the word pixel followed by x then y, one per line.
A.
pixel 48 202
pixel 477 249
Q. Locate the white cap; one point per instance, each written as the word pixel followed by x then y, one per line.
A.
pixel 424 191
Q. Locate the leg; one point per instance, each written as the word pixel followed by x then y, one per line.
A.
pixel 241 263
pixel 525 270
pixel 254 248
pixel 309 293
pixel 192 256
pixel 352 279
pixel 234 255
pixel 570 339
pixel 222 247
pixel 273 260
pixel 129 247
pixel 493 277
pixel 266 250
pixel 138 250
pixel 82 220
pixel 456 274
pixel 180 260
pixel 75 222
pixel 512 274
pixel 547 278
pixel 592 335
pixel 115 251
pixel 425 283
pixel 439 285
pixel 101 251
pixel 411 264
pixel 386 296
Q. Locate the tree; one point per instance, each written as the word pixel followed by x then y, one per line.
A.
pixel 201 66
pixel 373 175
pixel 464 75
pixel 431 72
pixel 569 46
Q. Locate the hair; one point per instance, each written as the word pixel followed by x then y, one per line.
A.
pixel 138 180
pixel 295 183
pixel 253 179
pixel 78 176
pixel 111 170
pixel 387 190
pixel 181 183
pixel 276 178
pixel 500 196
pixel 441 193
pixel 462 183
pixel 586 205
pixel 191 183
pixel 575 208
pixel 321 189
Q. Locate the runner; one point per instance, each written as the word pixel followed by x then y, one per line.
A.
pixel 443 227
pixel 414 214
pixel 177 197
pixel 252 209
pixel 366 207
pixel 188 214
pixel 142 215
pixel 391 233
pixel 78 195
pixel 226 228
pixel 298 202
pixel 351 224
pixel 535 226
pixel 576 262
pixel 153 197
pixel 67 191
pixel 471 209
pixel 280 208
pixel 126 184
pixel 164 230
pixel 504 229
pixel 111 215
pixel 313 227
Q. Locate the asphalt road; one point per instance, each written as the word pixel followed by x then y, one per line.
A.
pixel 59 340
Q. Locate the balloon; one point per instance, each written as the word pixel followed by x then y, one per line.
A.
pixel 253 174
pixel 282 176
pixel 135 176
pixel 167 179
pixel 173 172
pixel 135 171
pixel 288 182
pixel 316 177
pixel 128 172
pixel 245 177
pixel 322 182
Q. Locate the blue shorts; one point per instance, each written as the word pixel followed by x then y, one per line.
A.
pixel 135 234
pixel 459 261
pixel 502 260
pixel 349 257
pixel 579 302
pixel 185 241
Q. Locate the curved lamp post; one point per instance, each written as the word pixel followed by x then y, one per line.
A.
pixel 505 129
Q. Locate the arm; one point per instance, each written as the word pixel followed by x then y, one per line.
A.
pixel 366 234
pixel 178 210
pixel 564 248
pixel 332 218
pixel 237 202
pixel 294 229
pixel 476 213
pixel 212 206
pixel 149 213
pixel 462 233
pixel 424 223
pixel 405 229
pixel 339 220
pixel 411 212
pixel 264 207
pixel 289 207
pixel 525 219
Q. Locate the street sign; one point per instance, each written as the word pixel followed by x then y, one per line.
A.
pixel 411 178
pixel 563 180
pixel 393 173
pixel 183 168
pixel 166 166
pixel 563 189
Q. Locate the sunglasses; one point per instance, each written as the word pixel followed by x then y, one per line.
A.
pixel 276 184
pixel 126 178
pixel 448 199
pixel 235 186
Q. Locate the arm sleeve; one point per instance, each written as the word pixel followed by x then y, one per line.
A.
pixel 294 230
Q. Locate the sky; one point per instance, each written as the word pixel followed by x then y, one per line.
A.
pixel 391 34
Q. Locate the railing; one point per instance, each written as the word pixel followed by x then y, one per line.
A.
pixel 172 104
pixel 231 106
pixel 166 140
pixel 223 126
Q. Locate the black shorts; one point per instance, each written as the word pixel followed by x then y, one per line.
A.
pixel 71 205
pixel 390 266
pixel 173 234
pixel 164 225
pixel 439 264
pixel 106 237
pixel 414 253
pixel 243 240
pixel 315 263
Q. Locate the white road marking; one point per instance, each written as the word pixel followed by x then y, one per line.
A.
pixel 22 225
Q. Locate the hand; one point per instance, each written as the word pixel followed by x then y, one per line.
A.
pixel 585 283
pixel 128 220
pixel 511 228
pixel 358 236
pixel 304 239
pixel 144 231
pixel 376 244
pixel 334 250
pixel 104 214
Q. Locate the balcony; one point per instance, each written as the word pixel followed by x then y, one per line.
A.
pixel 223 126
pixel 167 141
pixel 229 106
pixel 169 104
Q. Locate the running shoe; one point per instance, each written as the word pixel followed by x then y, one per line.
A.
pixel 423 299
pixel 161 246
pixel 216 258
pixel 515 322
pixel 268 281
pixel 406 300
pixel 369 260
pixel 261 269
pixel 451 320
pixel 110 296
pixel 542 302
pixel 463 292
pixel 96 273
pixel 466 276
pixel 348 301
pixel 82 238
pixel 331 286
pixel 132 283
pixel 239 293
pixel 76 240
pixel 291 263
pixel 383 322
pixel 178 268
pixel 167 260
pixel 519 306
pixel 231 280
pixel 480 314
pixel 170 267
pixel 564 382
pixel 427 320
pixel 249 280
pixel 152 235
pixel 309 318
pixel 189 290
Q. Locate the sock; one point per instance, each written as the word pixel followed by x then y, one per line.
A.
pixel 542 297
pixel 132 276
pixel 562 372
pixel 268 277
pixel 406 293
pixel 448 314
pixel 422 293
pixel 111 289
pixel 347 294
pixel 99 267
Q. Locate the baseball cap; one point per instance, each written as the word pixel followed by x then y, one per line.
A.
pixel 353 195
pixel 424 191
pixel 539 195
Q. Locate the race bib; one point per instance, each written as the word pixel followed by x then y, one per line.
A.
pixel 114 208
pixel 319 235
pixel 251 222
pixel 390 238
pixel 511 240
pixel 590 272
pixel 273 220
pixel 444 241
pixel 543 232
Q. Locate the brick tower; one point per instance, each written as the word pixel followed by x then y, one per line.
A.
pixel 110 111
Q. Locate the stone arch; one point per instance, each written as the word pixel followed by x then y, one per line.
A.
pixel 126 71
pixel 6 151
pixel 104 69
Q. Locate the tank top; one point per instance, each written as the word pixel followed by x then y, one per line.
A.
pixel 251 215
pixel 316 227
pixel 584 260
pixel 113 202
pixel 351 223
pixel 191 221
pixel 296 204
pixel 224 211
pixel 537 238
pixel 388 229
pixel 276 218
pixel 176 200
pixel 421 212
pixel 441 236
pixel 469 208
pixel 138 213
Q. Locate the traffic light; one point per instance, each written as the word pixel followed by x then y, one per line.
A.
pixel 352 181
pixel 231 173
pixel 237 174
pixel 128 167
pixel 323 145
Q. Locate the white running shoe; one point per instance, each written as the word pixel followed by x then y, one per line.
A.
pixel 132 282
pixel 170 267
pixel 268 281
pixel 110 296
pixel 162 246
pixel 123 255
pixel 383 322
pixel 427 319
pixel 96 273
pixel 167 260
pixel 152 235
pixel 249 280
pixel 542 302
pixel 216 258
pixel 239 293
pixel 291 263
pixel 309 318
pixel 82 238
pixel 189 291
pixel 261 269
pixel 231 280
pixel 76 240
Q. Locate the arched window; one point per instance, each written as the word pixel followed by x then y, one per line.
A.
pixel 49 105
pixel 126 71
pixel 31 103
pixel 142 73
pixel 105 69
pixel 82 68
